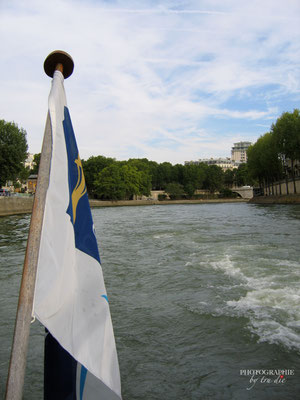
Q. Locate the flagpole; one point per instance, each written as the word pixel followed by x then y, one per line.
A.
pixel 57 60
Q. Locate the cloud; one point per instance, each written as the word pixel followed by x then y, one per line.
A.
pixel 170 81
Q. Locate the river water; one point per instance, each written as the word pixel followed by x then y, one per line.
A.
pixel 200 295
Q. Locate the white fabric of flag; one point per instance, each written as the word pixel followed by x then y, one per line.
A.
pixel 70 298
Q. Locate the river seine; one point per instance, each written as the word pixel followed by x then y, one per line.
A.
pixel 204 298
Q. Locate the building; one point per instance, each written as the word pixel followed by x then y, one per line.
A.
pixel 29 161
pixel 31 183
pixel 238 156
pixel 239 152
pixel 224 163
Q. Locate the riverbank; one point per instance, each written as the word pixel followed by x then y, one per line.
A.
pixel 120 203
pixel 286 199
pixel 15 205
pixel 20 205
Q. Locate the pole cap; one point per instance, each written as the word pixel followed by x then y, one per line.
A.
pixel 59 57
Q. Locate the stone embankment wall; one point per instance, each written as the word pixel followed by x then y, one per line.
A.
pixel 280 193
pixel 99 203
pixel 285 199
pixel 275 188
pixel 15 205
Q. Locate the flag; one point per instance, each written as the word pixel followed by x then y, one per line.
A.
pixel 70 298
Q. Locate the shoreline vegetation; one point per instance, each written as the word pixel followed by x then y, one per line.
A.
pixel 15 205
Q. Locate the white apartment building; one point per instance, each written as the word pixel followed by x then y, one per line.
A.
pixel 29 161
pixel 238 156
pixel 239 152
pixel 224 163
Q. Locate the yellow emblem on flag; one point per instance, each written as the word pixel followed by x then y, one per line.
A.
pixel 80 188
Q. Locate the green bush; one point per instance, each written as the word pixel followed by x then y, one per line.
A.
pixel 227 193
pixel 162 197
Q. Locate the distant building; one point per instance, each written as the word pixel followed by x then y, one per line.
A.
pixel 238 156
pixel 29 161
pixel 239 152
pixel 31 183
pixel 224 163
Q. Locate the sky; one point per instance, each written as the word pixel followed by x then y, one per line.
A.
pixel 166 80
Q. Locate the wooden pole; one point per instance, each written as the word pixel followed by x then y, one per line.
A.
pixel 17 366
pixel 16 372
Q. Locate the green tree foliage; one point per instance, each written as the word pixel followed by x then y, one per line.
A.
pixel 264 163
pixel 229 178
pixel 178 173
pixel 107 178
pixel 108 184
pixel 13 151
pixel 153 171
pixel 242 176
pixel 175 190
pixel 164 175
pixel 91 169
pixel 142 165
pixel 23 174
pixel 286 133
pixel 118 181
pixel 193 178
pixel 254 156
pixel 214 179
pixel 36 164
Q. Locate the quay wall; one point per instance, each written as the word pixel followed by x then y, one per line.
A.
pixel 19 205
pixel 283 187
pixel 15 205
pixel 284 199
pixel 23 205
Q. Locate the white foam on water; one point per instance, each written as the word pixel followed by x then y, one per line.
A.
pixel 274 314
pixel 163 236
pixel 272 300
pixel 275 333
pixel 228 267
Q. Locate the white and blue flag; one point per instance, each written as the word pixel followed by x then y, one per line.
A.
pixel 70 299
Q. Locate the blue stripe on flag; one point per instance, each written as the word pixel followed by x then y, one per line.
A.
pixel 83 374
pixel 79 209
pixel 105 297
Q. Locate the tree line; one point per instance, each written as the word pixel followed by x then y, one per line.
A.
pixel 109 179
pixel 276 154
pixel 273 157
pixel 13 152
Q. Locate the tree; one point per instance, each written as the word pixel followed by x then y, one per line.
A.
pixel 119 181
pixel 91 169
pixel 153 171
pixel 286 133
pixel 132 180
pixel 24 174
pixel 164 175
pixel 142 165
pixel 214 178
pixel 13 151
pixel 193 178
pixel 242 177
pixel 174 190
pixel 36 164
pixel 263 160
pixel 254 162
pixel 229 176
pixel 109 185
